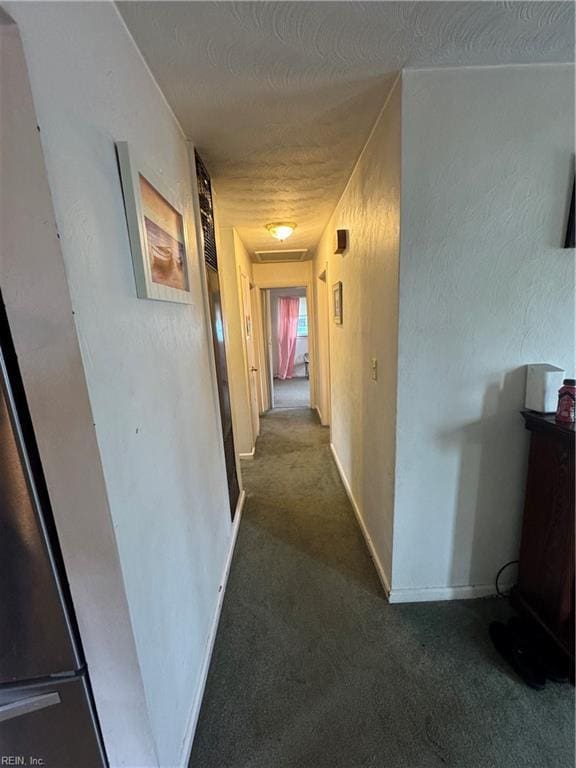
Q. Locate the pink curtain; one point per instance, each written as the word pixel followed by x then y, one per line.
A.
pixel 288 310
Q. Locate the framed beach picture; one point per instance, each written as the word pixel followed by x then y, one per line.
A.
pixel 337 294
pixel 157 233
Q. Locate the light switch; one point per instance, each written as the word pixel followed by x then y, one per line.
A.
pixel 374 367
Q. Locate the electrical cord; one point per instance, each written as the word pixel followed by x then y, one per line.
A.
pixel 498 590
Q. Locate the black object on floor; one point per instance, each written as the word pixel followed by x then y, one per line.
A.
pixel 540 645
pixel 516 653
pixel 528 650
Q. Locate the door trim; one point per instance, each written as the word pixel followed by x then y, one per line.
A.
pixel 246 298
pixel 308 284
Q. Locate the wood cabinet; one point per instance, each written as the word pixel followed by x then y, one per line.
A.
pixel 546 570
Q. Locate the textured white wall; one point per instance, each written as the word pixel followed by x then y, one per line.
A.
pixel 37 298
pixel 291 273
pixel 146 362
pixel 363 410
pixel 484 289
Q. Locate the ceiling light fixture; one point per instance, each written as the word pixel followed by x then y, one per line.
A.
pixel 281 229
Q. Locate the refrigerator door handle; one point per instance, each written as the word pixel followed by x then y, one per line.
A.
pixel 25 706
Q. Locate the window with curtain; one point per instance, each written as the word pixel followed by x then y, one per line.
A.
pixel 302 318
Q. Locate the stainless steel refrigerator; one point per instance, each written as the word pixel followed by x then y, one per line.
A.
pixel 47 717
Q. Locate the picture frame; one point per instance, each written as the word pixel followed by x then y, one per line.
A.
pixel 337 302
pixel 157 232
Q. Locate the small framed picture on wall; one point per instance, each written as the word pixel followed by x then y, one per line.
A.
pixel 157 232
pixel 337 294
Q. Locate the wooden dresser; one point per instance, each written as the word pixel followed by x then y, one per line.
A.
pixel 546 570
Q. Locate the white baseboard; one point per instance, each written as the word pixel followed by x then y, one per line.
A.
pixel 188 739
pixel 322 422
pixel 417 594
pixel 430 594
pixel 355 507
pixel 248 456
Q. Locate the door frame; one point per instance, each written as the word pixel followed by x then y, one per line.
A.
pixel 208 329
pixel 308 284
pixel 263 342
pixel 324 399
pixel 250 351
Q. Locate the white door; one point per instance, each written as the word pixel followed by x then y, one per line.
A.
pixel 250 354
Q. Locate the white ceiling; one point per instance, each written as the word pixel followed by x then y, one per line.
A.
pixel 280 97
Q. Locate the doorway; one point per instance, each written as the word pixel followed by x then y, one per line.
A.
pixel 289 350
pixel 248 311
pixel 323 405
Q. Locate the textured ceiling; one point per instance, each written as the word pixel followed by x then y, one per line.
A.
pixel 280 97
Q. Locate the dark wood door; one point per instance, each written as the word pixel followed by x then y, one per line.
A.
pixel 216 316
pixel 223 388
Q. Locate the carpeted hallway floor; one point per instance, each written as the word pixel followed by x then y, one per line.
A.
pixel 292 393
pixel 313 669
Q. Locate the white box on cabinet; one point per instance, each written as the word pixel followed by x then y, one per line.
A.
pixel 542 384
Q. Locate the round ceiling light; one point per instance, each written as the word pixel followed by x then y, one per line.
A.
pixel 281 229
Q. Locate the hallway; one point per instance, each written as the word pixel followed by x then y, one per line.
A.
pixel 175 176
pixel 312 668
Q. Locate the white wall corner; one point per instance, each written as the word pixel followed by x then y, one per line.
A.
pixel 384 579
pixel 437 594
pixel 486 168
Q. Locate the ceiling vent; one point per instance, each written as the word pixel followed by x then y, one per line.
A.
pixel 277 257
